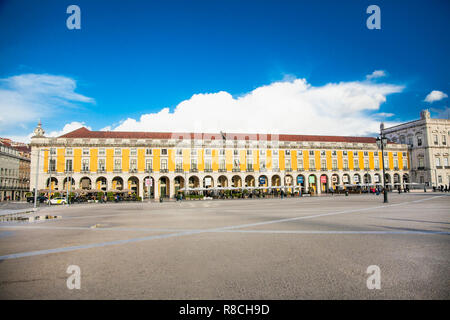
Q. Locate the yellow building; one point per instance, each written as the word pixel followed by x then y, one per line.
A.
pixel 154 164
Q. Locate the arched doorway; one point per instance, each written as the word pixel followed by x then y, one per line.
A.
pixel 208 182
pixel 236 181
pixel 346 179
pixel 85 183
pixel 69 184
pixel 356 178
pixel 53 185
pixel 148 185
pixel 334 181
pixel 276 181
pixel 178 183
pixel 367 178
pixel 222 181
pixel 405 180
pixel 194 182
pixel 101 184
pixel 133 185
pixel 117 183
pixel 324 183
pixel 249 181
pixel 312 181
pixel 301 182
pixel 164 187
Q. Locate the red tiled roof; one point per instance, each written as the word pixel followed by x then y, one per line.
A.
pixel 85 133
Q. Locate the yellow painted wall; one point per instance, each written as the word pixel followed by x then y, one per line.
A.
pixel 294 160
pixel 45 161
pixel 317 159
pixel 156 159
pixel 215 159
pixel 256 160
pixel 77 160
pixel 229 159
pixel 60 160
pixel 391 160
pixel 282 159
pixel 329 161
pixel 125 160
pixel 93 161
pixel 269 159
pixel 350 160
pixel 186 159
pixel 340 160
pixel 141 160
pixel 371 161
pixel 200 160
pixel 400 160
pixel 242 160
pixel 306 159
pixel 361 160
pixel 171 160
pixel 109 160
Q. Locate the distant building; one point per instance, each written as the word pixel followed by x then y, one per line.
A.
pixel 14 170
pixel 428 146
pixel 158 164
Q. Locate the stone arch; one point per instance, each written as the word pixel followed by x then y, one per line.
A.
pixel 85 183
pixel 148 191
pixel 250 181
pixel 164 187
pixel 54 184
pixel 276 180
pixel 222 181
pixel 117 183
pixel 133 184
pixel 208 182
pixel 236 181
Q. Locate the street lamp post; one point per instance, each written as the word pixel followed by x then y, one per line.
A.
pixel 381 143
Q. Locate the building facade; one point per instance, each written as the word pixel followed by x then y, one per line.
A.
pixel 157 165
pixel 428 146
pixel 14 171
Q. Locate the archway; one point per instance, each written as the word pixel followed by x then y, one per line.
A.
pixel 69 183
pixel 236 181
pixel 301 182
pixel 208 182
pixel 249 181
pixel 334 181
pixel 178 183
pixel 222 181
pixel 356 178
pixel 85 183
pixel 312 181
pixel 54 184
pixel 148 185
pixel 263 181
pixel 164 187
pixel 101 183
pixel 133 185
pixel 324 183
pixel 367 178
pixel 117 183
pixel 346 179
pixel 276 181
pixel 405 180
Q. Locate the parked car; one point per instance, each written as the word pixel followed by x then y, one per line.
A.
pixel 40 199
pixel 57 201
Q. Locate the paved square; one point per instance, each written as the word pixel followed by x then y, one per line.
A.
pixel 294 248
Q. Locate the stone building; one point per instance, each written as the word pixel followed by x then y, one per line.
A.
pixel 428 146
pixel 155 164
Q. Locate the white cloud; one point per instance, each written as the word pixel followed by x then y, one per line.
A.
pixel 27 97
pixel 384 114
pixel 435 95
pixel 345 108
pixel 376 74
pixel 69 127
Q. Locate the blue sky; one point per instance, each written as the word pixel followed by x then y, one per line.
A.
pixel 131 59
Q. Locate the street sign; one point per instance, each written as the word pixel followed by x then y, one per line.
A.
pixel 323 179
pixel 312 179
pixel 262 180
pixel 148 182
pixel 300 180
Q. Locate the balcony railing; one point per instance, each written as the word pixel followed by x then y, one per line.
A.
pixel 276 170
pixel 101 170
pixel 163 170
pixel 148 170
pixel 324 169
pixel 194 170
pixel 51 171
pixel 356 169
pixel 396 168
pixel 420 168
pixel 208 170
pixel 222 170
pixel 236 170
pixel 179 170
pixel 85 170
pixel 312 169
pixel 134 170
pixel 117 170
pixel 300 169
pixel 249 169
pixel 335 169
pixel 438 167
pixel 68 171
pixel 288 169
pixel 262 169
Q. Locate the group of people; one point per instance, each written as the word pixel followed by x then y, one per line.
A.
pixel 442 188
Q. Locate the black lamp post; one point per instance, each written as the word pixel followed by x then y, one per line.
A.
pixel 381 143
